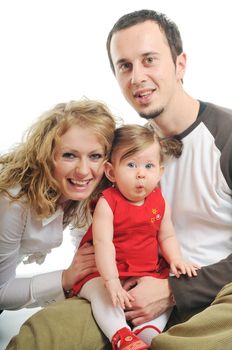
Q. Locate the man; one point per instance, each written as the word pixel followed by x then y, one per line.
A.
pixel 146 56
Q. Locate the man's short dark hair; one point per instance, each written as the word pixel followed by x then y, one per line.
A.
pixel 168 27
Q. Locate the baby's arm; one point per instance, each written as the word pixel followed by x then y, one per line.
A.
pixel 170 248
pixel 105 254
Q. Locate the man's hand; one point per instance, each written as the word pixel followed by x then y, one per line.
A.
pixel 152 297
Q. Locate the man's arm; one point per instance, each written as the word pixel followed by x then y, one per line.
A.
pixel 198 292
pixel 153 296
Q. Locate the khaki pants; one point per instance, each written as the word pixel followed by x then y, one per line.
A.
pixel 60 326
pixel 211 329
pixel 69 325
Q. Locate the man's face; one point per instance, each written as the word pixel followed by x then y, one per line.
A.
pixel 145 70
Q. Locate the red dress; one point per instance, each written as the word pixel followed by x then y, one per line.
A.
pixel 135 236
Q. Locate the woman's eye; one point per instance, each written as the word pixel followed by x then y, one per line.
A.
pixel 68 155
pixel 96 156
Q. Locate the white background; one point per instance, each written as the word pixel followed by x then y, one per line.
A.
pixel 54 51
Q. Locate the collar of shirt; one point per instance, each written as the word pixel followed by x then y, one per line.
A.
pixel 49 219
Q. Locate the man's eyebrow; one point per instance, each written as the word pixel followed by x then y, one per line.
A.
pixel 146 54
pixel 121 60
pixel 150 53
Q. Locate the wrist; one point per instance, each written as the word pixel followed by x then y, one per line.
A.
pixel 68 293
pixel 171 295
pixel 66 285
pixel 110 279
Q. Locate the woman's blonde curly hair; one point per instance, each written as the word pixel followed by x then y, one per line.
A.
pixel 30 164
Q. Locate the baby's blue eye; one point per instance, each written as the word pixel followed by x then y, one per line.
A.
pixel 131 165
pixel 149 166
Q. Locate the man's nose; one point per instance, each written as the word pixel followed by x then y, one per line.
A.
pixel 138 74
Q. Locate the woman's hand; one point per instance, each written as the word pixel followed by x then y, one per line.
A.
pixel 83 264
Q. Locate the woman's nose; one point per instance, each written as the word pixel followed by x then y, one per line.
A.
pixel 82 167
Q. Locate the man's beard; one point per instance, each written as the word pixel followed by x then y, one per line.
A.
pixel 152 115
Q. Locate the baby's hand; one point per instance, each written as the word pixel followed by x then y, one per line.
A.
pixel 179 267
pixel 119 296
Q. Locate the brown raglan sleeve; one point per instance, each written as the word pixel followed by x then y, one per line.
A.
pixel 196 293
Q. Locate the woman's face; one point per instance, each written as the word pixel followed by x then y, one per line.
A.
pixel 79 163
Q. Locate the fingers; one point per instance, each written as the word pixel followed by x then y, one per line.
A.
pixel 184 268
pixel 175 271
pixel 83 264
pixel 139 316
pixel 191 270
pixel 118 294
pixel 123 299
pixel 84 254
pixel 139 320
pixel 132 314
pixel 85 249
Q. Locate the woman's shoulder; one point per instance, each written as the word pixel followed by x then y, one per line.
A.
pixel 8 196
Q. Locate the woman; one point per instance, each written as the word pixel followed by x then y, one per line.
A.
pixel 46 183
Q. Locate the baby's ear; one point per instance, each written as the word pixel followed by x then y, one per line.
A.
pixel 161 170
pixel 109 171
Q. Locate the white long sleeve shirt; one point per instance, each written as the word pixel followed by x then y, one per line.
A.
pixel 23 238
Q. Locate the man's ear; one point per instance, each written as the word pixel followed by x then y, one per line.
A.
pixel 109 172
pixel 181 66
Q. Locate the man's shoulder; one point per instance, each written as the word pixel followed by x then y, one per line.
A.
pixel 218 120
pixel 217 110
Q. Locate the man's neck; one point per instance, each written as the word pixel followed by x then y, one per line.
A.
pixel 180 114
